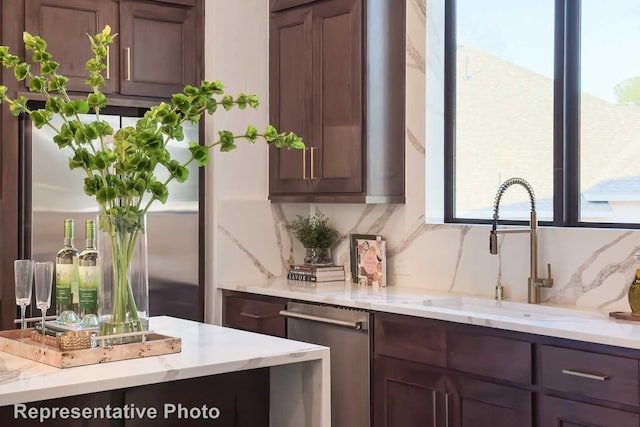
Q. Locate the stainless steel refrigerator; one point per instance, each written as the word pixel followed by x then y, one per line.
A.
pixel 50 192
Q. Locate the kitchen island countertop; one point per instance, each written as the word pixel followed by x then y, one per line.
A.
pixel 206 350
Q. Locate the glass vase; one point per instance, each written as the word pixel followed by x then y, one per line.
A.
pixel 317 256
pixel 124 294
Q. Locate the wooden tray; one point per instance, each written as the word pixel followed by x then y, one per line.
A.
pixel 624 315
pixel 155 345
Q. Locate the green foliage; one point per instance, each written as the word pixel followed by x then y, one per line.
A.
pixel 314 231
pixel 628 91
pixel 121 176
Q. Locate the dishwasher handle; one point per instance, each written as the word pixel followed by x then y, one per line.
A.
pixel 357 325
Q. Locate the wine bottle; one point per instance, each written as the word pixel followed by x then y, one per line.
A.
pixel 89 273
pixel 67 272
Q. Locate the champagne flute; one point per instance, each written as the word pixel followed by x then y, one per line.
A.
pixel 44 276
pixel 23 269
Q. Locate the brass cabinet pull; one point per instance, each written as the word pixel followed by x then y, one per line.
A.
pixel 254 316
pixel 446 409
pixel 108 63
pixel 435 407
pixel 585 375
pixel 312 175
pixel 127 51
pixel 304 163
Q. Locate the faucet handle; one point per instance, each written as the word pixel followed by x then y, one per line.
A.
pixel 493 242
pixel 548 282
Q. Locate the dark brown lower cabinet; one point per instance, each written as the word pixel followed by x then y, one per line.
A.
pixel 407 394
pixel 556 412
pixel 19 416
pixel 254 313
pixel 478 403
pixel 238 399
pixel 242 399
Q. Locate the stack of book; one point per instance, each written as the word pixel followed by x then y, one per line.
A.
pixel 309 273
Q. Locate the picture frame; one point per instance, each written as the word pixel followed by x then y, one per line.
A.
pixel 368 260
pixel 353 252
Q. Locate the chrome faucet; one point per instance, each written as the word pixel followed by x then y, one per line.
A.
pixel 535 283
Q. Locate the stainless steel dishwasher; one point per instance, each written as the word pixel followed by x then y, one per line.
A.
pixel 346 333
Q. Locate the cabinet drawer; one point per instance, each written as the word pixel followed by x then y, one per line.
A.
pixel 490 356
pixel 255 314
pixel 565 413
pixel 414 339
pixel 599 376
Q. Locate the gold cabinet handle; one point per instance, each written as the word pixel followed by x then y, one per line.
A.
pixel 108 63
pixel 434 405
pixel 127 51
pixel 255 316
pixel 312 175
pixel 446 409
pixel 585 375
pixel 304 164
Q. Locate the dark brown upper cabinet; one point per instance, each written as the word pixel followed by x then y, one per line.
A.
pixel 158 48
pixel 64 24
pixel 337 72
pixel 291 70
pixel 154 54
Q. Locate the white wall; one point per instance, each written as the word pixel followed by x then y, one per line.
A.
pixel 245 233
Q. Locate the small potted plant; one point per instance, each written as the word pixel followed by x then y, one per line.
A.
pixel 317 237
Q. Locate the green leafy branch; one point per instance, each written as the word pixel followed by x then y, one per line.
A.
pixel 121 175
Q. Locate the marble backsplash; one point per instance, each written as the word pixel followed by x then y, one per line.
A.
pixel 591 268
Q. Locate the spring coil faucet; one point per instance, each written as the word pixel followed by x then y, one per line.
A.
pixel 534 282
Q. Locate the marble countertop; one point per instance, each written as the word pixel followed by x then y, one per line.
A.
pixel 206 350
pixel 571 323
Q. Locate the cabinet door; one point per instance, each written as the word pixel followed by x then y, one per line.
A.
pixel 236 399
pixel 254 313
pixel 336 153
pixel 478 403
pixel 290 93
pixel 565 413
pixel 64 24
pixel 407 394
pixel 158 48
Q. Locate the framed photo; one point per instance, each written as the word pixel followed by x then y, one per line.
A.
pixel 353 251
pixel 368 260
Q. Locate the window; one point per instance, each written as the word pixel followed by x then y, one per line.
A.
pixel 548 90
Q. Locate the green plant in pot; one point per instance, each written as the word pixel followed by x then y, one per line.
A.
pixel 317 237
pixel 120 166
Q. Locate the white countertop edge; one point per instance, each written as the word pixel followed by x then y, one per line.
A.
pixel 570 329
pixel 91 386
pixel 206 350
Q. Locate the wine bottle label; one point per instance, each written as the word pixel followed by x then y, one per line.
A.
pixel 75 281
pixel 89 281
pixel 88 300
pixel 64 277
pixel 89 276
